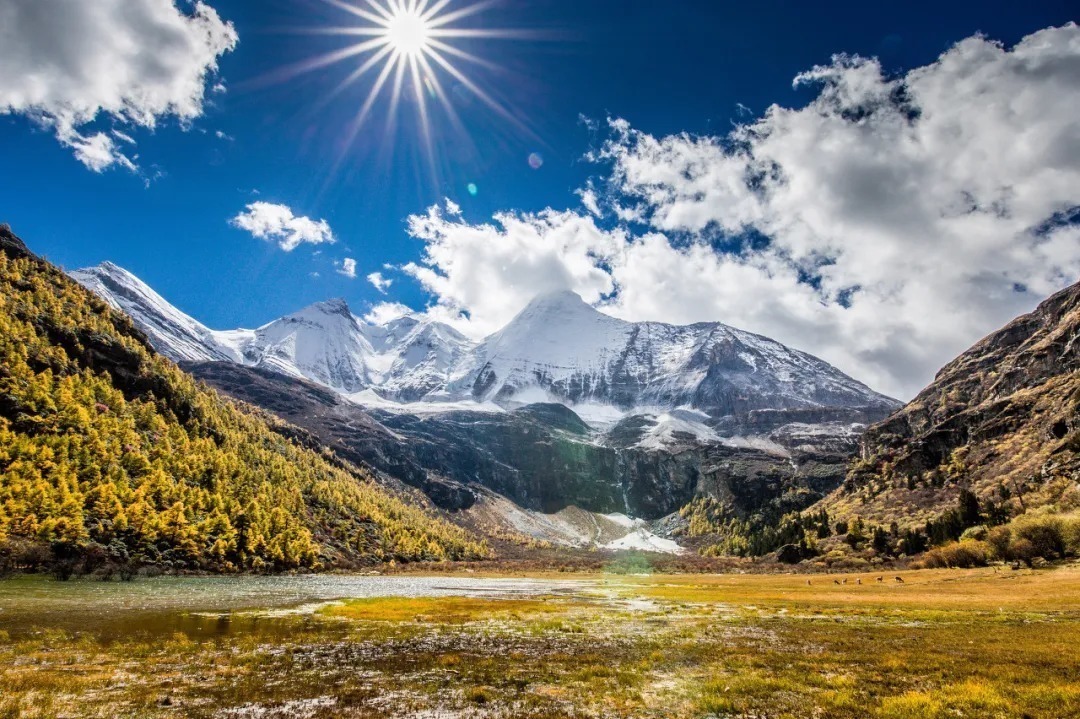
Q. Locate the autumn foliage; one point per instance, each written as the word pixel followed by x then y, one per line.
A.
pixel 108 450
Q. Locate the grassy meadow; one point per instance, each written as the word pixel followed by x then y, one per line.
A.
pixel 980 643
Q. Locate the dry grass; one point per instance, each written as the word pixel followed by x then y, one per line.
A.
pixel 945 644
pixel 986 588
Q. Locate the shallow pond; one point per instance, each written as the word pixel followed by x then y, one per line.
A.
pixel 210 606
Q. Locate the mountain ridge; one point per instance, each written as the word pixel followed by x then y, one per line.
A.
pixel 1002 421
pixel 557 349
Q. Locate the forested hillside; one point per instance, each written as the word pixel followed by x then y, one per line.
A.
pixel 110 454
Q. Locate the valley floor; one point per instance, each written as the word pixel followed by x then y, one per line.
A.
pixel 943 643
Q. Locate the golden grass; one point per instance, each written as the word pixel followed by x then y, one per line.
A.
pixel 982 589
pixel 443 610
pixel 946 644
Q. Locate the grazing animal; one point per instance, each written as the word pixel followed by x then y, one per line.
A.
pixel 881 579
pixel 899 580
pixel 808 582
pixel 844 582
pixel 836 581
pixel 859 580
pixel 1016 566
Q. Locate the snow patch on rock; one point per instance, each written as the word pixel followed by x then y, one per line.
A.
pixel 643 540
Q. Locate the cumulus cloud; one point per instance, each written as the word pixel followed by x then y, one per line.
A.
pixel 884 227
pixel 385 312
pixel 67 64
pixel 277 223
pixel 379 282
pixel 590 201
pixel 347 267
pixel 490 271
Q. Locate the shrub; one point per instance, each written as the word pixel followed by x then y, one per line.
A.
pixel 1045 533
pixel 630 563
pixel 970 553
pixel 1034 536
pixel 1023 550
pixel 999 538
pixel 1070 526
pixel 979 532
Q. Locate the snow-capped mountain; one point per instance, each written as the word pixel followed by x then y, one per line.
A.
pixel 564 407
pixel 558 349
pixel 325 343
pixel 561 349
pixel 173 333
pixel 423 358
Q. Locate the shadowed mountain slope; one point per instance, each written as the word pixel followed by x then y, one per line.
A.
pixel 1002 419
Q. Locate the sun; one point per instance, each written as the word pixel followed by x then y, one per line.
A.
pixel 407 48
pixel 408 32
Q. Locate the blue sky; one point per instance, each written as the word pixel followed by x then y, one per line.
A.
pixel 665 67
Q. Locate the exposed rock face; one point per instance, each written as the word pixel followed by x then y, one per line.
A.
pixel 11 244
pixel 1002 419
pixel 541 456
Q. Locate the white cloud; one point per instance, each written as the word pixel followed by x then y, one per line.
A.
pixel 379 282
pixel 590 201
pixel 884 227
pixel 67 64
pixel 98 152
pixel 277 223
pixel 385 312
pixel 491 271
pixel 347 267
pixel 123 136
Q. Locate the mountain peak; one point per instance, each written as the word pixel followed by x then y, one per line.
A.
pixel 175 334
pixel 567 298
pixel 566 304
pixel 334 306
pixel 11 243
pixel 108 269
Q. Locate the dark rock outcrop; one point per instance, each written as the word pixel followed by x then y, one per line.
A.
pixel 11 244
pixel 340 426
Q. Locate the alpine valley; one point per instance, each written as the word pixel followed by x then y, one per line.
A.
pixel 568 425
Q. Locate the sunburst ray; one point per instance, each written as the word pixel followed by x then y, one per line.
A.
pixel 408 47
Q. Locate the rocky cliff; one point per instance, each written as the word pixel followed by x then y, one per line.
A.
pixel 1002 419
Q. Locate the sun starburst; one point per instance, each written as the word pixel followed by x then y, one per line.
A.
pixel 407 46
